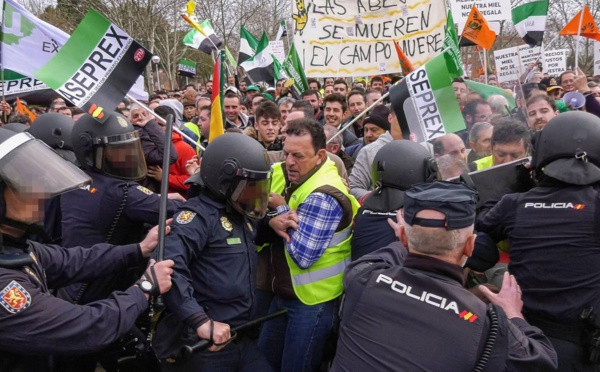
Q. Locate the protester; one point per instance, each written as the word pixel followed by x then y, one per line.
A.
pixel 480 141
pixel 267 124
pixel 334 107
pixel 334 146
pixel 510 141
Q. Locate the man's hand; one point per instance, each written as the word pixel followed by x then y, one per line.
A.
pixel 221 334
pixel 192 166
pixel 140 117
pixel 396 225
pixel 5 107
pixel 175 196
pixel 151 240
pixel 275 200
pixel 162 274
pixel 155 172
pixel 509 297
pixel 580 81
pixel 283 222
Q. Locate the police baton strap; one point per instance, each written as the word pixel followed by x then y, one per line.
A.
pixel 187 352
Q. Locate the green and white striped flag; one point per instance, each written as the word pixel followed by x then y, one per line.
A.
pixel 260 67
pixel 96 67
pixel 205 43
pixel 248 44
pixel 424 102
pixel 282 30
pixel 530 21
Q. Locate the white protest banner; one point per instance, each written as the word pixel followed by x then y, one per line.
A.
pixel 528 55
pixel 278 50
pixel 354 37
pixel 597 58
pixel 492 10
pixel 507 64
pixel 555 61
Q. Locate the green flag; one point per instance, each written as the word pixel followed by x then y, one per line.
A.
pixel 488 90
pixel 248 45
pixel 230 58
pixel 451 41
pixel 294 69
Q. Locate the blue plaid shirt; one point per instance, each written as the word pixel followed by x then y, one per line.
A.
pixel 318 218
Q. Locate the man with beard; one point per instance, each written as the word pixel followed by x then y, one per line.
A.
pixel 540 110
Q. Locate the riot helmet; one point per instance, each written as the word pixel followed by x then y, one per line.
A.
pixel 16 127
pixel 112 148
pixel 567 149
pixel 55 130
pixel 34 171
pixel 235 167
pixel 397 166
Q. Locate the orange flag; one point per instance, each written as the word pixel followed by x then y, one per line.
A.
pixel 23 110
pixel 588 25
pixel 478 31
pixel 405 64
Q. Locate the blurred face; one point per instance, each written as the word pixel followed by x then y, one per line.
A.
pixel 300 156
pixel 537 77
pixel 359 85
pixel 204 123
pixel 295 115
pixel 377 85
pixel 329 81
pixel 278 87
pixel 483 145
pixel 506 152
pixel 285 110
pixel 256 101
pixel 372 132
pixel 65 111
pixel 244 110
pixel 189 112
pixel 201 103
pixel 231 105
pixel 454 146
pixel 329 90
pixel 460 91
pixel 334 113
pixel 493 83
pixel 314 101
pixel 250 94
pixel 539 113
pixel 242 86
pixel 482 78
pixel 568 82
pixel 267 129
pixel 138 116
pixel 482 113
pixel 340 88
pixel 356 104
pixel 231 80
pixel 313 86
pixel 24 208
pixel 209 86
pixel 373 97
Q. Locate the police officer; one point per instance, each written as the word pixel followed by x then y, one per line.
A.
pixel 212 243
pixel 401 306
pixel 35 324
pixel 554 234
pixel 115 207
pixel 54 130
pixel 397 166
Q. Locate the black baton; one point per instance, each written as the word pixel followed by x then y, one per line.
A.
pixel 187 351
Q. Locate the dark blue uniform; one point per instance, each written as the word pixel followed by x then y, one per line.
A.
pixel 112 211
pixel 214 277
pixel 554 233
pixel 408 312
pixel 36 324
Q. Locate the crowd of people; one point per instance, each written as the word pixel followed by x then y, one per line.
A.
pixel 371 250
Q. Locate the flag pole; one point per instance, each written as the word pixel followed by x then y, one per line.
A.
pixel 579 38
pixel 158 118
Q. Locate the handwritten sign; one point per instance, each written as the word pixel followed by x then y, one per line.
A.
pixel 354 37
pixel 277 49
pixel 492 10
pixel 507 64
pixel 555 61
pixel 528 55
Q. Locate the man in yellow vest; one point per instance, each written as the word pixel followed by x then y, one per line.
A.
pixel 510 141
pixel 309 232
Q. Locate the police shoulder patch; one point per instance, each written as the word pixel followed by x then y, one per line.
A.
pixel 14 298
pixel 145 190
pixel 185 217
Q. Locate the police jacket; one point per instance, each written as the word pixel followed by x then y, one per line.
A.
pixel 554 233
pixel 36 325
pixel 409 312
pixel 214 276
pixel 109 211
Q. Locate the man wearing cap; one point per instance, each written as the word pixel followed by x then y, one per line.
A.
pixel 251 91
pixel 403 306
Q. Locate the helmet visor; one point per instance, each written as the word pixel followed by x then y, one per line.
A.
pixel 251 195
pixel 122 157
pixel 30 167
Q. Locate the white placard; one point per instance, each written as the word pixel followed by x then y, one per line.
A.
pixel 507 64
pixel 492 10
pixel 278 50
pixel 555 61
pixel 528 55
